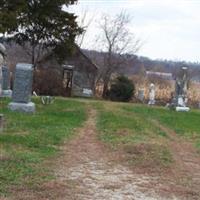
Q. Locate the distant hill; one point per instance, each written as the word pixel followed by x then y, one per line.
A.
pixel 139 64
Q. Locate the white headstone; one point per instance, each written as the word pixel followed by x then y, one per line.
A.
pixel 152 93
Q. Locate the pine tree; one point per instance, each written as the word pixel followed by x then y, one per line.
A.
pixel 42 24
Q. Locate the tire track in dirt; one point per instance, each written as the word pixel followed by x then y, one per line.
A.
pixel 187 161
pixel 93 172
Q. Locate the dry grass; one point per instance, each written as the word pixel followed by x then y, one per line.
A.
pixel 164 89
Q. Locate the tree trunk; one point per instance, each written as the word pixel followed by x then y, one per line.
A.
pixel 33 56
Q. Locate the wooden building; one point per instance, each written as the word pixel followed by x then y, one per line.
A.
pixel 75 77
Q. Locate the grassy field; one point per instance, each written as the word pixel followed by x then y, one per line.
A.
pixel 28 140
pixel 132 128
pixel 143 142
pixel 184 124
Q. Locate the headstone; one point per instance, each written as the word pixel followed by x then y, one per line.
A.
pixel 21 97
pixel 2 61
pixel 151 94
pixel 179 101
pixel 7 92
pixel 141 95
pixel 2 57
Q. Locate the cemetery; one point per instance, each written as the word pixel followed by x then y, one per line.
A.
pixel 78 124
pixel 33 129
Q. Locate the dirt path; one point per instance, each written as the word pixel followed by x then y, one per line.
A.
pixel 94 173
pixel 186 169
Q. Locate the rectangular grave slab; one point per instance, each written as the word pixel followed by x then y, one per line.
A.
pixel 22 83
pixel 21 98
pixel 7 92
pixel 6 78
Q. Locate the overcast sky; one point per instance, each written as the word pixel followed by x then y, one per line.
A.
pixel 169 29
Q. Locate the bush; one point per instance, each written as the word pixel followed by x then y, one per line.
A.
pixel 122 89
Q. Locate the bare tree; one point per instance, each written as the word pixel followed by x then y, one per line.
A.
pixel 118 41
pixel 85 20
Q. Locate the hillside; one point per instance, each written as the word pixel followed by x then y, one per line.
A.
pixel 136 64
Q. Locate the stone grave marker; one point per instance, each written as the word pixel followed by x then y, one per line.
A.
pixel 21 97
pixel 7 92
pixel 152 93
pixel 141 95
pixel 2 61
pixel 179 100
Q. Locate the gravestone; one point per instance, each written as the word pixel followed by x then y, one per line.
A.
pixel 21 97
pixel 2 61
pixel 2 57
pixel 179 101
pixel 141 95
pixel 7 92
pixel 152 93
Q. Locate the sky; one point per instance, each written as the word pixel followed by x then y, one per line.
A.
pixel 168 29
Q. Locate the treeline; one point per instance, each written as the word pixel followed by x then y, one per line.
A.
pixel 139 65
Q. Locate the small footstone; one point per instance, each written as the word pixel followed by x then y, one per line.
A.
pixel 7 93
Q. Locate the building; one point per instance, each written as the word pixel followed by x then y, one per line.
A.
pixel 160 75
pixel 75 77
pixel 79 74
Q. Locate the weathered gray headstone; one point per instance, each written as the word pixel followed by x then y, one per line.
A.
pixel 6 82
pixel 21 97
pixel 141 95
pixel 2 60
pixel 6 78
pixel 2 57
